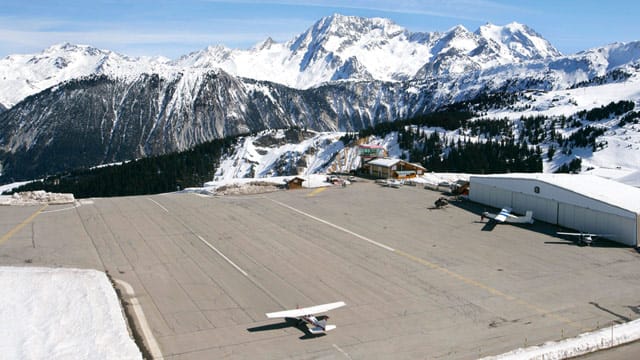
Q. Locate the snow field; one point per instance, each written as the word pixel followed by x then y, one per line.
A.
pixel 61 314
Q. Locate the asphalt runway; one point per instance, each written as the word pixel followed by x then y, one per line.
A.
pixel 418 282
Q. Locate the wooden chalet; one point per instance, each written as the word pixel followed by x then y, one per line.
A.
pixel 387 168
pixel 295 183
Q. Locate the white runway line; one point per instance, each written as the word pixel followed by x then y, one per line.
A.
pixel 157 203
pixel 388 248
pixel 223 256
pixel 154 348
pixel 207 243
pixel 342 351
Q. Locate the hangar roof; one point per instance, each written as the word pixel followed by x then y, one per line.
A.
pixel 608 191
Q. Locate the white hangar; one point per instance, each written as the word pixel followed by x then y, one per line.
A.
pixel 585 203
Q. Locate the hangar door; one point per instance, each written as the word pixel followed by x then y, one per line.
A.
pixel 621 229
pixel 543 209
pixel 490 195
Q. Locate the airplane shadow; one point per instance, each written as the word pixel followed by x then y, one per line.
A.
pixel 290 323
pixel 436 208
pixel 489 226
pixel 568 242
pixel 598 243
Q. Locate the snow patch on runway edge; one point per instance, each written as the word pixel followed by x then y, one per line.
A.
pixel 36 198
pixel 589 342
pixel 61 313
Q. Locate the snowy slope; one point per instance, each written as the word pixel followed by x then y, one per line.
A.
pixel 623 142
pixel 270 154
pixel 618 159
pixel 61 314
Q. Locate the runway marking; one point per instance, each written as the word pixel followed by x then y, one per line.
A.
pixel 206 242
pixel 19 227
pixel 342 351
pixel 157 203
pixel 434 266
pixel 154 348
pixel 388 248
pixel 316 191
pixel 223 256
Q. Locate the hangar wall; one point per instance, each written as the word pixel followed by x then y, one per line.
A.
pixel 559 206
pixel 546 191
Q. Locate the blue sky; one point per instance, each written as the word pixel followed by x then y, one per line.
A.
pixel 174 28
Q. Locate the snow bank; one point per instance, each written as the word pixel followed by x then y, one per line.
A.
pixel 580 345
pixel 37 197
pixel 236 186
pixel 434 178
pixel 61 314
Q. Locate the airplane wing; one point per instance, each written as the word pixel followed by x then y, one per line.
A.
pixel 504 213
pixel 306 311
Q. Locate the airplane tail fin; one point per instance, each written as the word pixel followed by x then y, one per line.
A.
pixel 321 328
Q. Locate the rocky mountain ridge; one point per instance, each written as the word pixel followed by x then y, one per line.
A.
pixel 335 48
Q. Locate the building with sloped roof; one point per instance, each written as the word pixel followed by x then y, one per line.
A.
pixel 585 203
pixel 388 168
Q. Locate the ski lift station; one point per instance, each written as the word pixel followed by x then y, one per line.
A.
pixel 585 203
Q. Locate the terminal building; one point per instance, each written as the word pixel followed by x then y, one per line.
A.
pixel 584 203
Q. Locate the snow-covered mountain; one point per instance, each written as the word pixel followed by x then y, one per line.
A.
pixel 24 75
pixel 373 49
pixel 335 48
pixel 91 106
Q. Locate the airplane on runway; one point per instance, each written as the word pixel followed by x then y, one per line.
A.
pixel 584 238
pixel 307 315
pixel 506 216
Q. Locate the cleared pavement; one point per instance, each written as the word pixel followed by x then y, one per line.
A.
pixel 418 282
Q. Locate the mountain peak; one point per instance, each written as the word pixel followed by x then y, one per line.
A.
pixel 69 48
pixel 264 45
pixel 518 41
pixel 344 25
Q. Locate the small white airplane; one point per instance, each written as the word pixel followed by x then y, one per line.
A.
pixel 506 216
pixel 584 238
pixel 318 326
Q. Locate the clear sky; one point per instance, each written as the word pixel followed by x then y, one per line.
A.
pixel 174 28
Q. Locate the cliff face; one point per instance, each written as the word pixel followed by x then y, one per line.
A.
pixel 100 120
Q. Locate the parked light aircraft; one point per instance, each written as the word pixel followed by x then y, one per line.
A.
pixel 506 216
pixel 318 326
pixel 584 238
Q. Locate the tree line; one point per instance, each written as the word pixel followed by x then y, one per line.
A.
pixel 152 175
pixel 502 146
